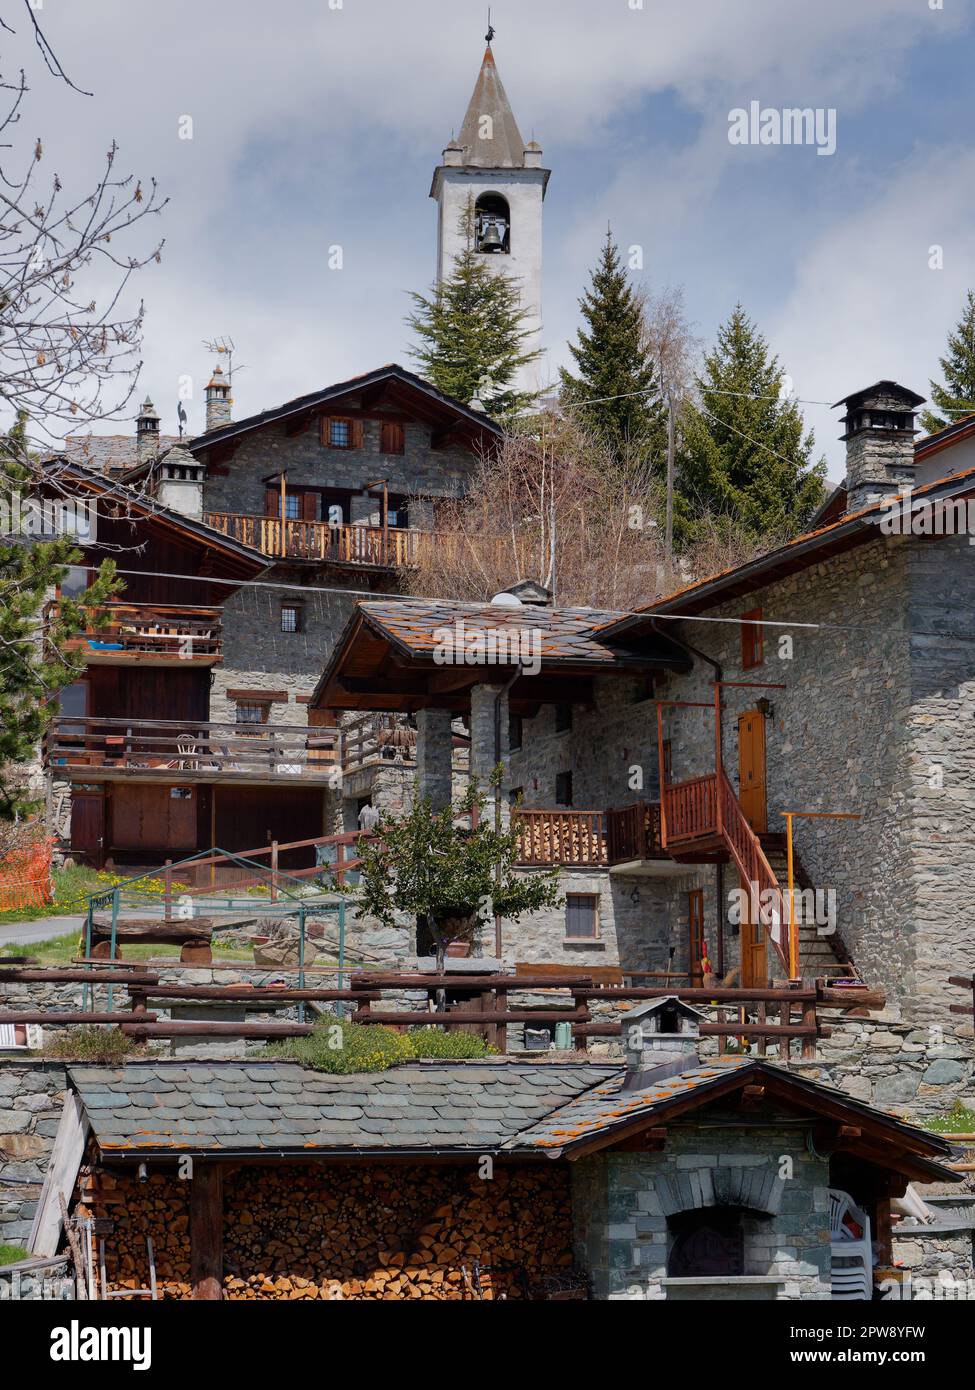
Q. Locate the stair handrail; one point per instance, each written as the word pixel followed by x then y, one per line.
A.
pixel 746 850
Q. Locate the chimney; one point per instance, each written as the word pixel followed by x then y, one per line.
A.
pixel 219 403
pixel 147 432
pixel 661 1039
pixel 531 592
pixel 179 485
pixel 879 434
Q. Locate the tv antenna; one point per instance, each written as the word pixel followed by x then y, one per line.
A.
pixel 225 346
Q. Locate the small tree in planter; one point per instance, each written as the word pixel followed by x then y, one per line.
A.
pixel 450 878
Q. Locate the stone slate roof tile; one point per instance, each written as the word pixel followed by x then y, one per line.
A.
pixel 227 1108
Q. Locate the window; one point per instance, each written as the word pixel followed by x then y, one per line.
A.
pixel 292 506
pixel 492 225
pixel 290 617
pixel 397 513
pixel 515 795
pixel 668 763
pixel 253 711
pixel 339 433
pixel 515 732
pixel 643 689
pixel 392 437
pixel 563 718
pixel 563 789
pixel 581 916
pixel 752 639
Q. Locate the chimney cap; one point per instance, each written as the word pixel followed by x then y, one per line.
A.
pixel 885 388
pixel 530 591
pixel 652 1007
pixel 218 381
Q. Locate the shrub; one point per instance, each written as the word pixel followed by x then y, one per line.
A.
pixel 91 1043
pixel 336 1046
pixel 447 1043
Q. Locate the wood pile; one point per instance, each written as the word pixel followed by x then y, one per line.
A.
pixel 356 1231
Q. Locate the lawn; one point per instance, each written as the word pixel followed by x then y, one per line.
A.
pixel 72 888
pixel 61 950
pixel 11 1254
pixel 959 1120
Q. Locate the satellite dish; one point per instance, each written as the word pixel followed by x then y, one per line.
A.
pixel 506 600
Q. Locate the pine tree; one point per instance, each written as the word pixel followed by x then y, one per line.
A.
pixel 471 332
pixel 34 662
pixel 744 456
pixel 614 368
pixel 956 397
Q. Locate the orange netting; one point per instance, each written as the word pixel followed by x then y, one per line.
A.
pixel 25 877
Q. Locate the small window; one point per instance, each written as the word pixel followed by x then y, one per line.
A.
pixel 668 762
pixel 563 789
pixel 581 916
pixel 515 795
pixel 643 689
pixel 340 434
pixel 253 711
pixel 563 718
pixel 292 506
pixel 392 437
pixel 290 618
pixel 752 639
pixel 515 732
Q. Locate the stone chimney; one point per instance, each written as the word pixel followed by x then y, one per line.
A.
pixel 661 1039
pixel 219 404
pixel 147 432
pixel 879 435
pixel 179 485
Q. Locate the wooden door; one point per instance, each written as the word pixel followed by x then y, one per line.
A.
pixel 88 826
pixel 754 954
pixel 695 918
pixel 751 769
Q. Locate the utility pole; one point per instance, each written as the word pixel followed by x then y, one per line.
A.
pixel 669 536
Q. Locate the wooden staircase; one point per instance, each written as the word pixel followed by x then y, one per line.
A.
pixel 820 956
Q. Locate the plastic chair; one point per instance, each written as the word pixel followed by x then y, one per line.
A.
pixel 851 1257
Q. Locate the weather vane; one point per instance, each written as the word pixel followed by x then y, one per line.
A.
pixel 490 33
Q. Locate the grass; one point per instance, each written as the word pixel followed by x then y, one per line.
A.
pixel 90 1043
pixel 72 887
pixel 11 1254
pixel 342 1048
pixel 61 950
pixel 959 1120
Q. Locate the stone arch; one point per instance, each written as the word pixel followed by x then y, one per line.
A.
pixel 757 1188
pixel 492 210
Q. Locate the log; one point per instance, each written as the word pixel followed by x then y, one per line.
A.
pixel 54 1019
pixel 202 1029
pixel 56 976
pixel 206 1231
pixel 468 1020
pixel 475 983
pixel 711 1030
pixel 243 993
pixel 850 998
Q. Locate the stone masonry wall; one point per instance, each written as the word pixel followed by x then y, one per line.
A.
pixel 31 1099
pixel 621 1202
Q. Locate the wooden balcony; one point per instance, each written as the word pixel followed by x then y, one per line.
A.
pixel 598 838
pixel 159 750
pixel 373 547
pixel 150 634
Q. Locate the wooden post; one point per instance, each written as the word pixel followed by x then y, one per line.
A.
pixel 206 1231
pixel 662 777
pixel 168 894
pixel 274 870
pixel 717 756
pixel 284 512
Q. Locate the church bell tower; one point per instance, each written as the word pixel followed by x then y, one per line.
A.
pixel 490 166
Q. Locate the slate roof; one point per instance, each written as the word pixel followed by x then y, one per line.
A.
pixel 271 1107
pixel 110 453
pixel 566 634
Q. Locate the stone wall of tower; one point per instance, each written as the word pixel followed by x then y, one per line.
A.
pixel 523 190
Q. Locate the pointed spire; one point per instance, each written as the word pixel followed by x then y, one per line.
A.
pixel 490 137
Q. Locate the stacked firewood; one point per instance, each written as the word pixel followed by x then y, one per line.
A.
pixel 359 1231
pixel 346 1231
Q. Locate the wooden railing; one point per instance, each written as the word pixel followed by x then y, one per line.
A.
pixel 691 808
pixel 150 632
pixel 633 832
pixel 387 548
pixel 560 837
pixel 177 750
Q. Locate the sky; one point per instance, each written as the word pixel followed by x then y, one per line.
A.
pixel 319 122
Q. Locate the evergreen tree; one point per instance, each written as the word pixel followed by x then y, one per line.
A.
pixel 613 361
pixel 956 397
pixel 471 332
pixel 34 664
pixel 744 455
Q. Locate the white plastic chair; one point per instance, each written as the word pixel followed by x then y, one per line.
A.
pixel 851 1257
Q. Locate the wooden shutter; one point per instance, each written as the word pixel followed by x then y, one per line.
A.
pixel 391 437
pixel 272 501
pixel 309 506
pixel 356 434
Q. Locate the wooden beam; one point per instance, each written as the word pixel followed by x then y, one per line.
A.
pixel 202 1029
pixel 206 1231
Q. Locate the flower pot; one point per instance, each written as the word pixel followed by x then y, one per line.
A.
pixel 458 948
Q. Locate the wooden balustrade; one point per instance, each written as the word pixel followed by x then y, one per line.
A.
pixel 178 750
pixel 149 633
pixel 633 833
pixel 691 808
pixel 382 547
pixel 560 837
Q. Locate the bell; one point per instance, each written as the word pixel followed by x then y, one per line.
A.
pixel 490 239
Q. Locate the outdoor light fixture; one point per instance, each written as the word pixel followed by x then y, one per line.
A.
pixel 765 707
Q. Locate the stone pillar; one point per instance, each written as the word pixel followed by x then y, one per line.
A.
pixel 483 750
pixel 434 749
